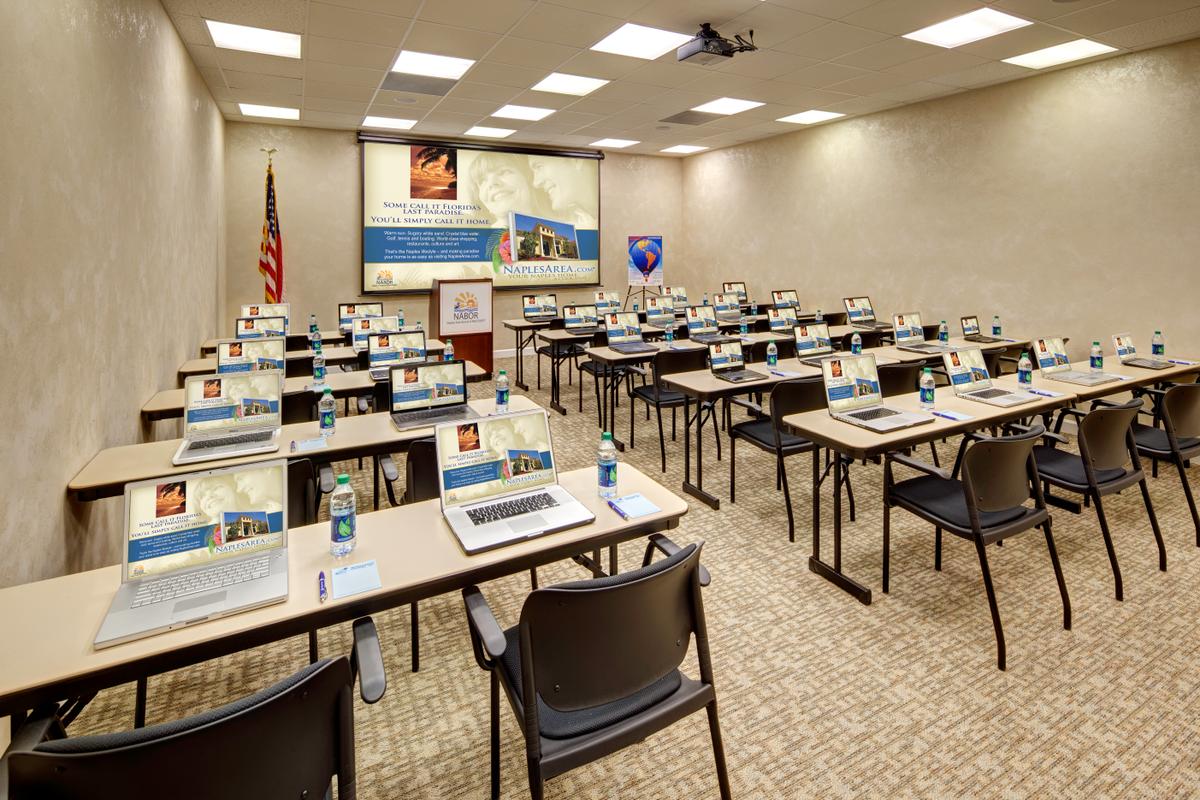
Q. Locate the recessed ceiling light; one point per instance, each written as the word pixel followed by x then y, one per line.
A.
pixel 254 40
pixel 562 83
pixel 523 112
pixel 966 28
pixel 274 112
pixel 388 122
pixel 727 105
pixel 810 116
pixel 490 133
pixel 684 148
pixel 411 62
pixel 615 143
pixel 1060 54
pixel 639 41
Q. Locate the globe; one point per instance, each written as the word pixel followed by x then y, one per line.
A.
pixel 646 255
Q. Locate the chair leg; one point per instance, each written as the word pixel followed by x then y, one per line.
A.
pixel 732 469
pixel 1108 545
pixel 1058 576
pixel 1187 492
pixel 662 445
pixel 1162 550
pixel 415 628
pixel 937 549
pixel 787 500
pixel 933 452
pixel 495 733
pixel 1001 661
pixel 631 421
pixel 537 786
pixel 314 651
pixel 849 490
pixel 887 545
pixel 533 581
pixel 714 728
pixel 672 423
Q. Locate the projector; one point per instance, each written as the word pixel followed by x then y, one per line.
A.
pixel 709 47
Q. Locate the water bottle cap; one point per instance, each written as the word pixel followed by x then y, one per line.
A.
pixel 343 479
pixel 928 370
pixel 503 372
pixel 1095 344
pixel 606 437
pixel 328 390
pixel 1158 333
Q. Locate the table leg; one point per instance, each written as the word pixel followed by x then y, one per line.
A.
pixel 834 573
pixel 612 385
pixel 696 489
pixel 556 360
pixel 522 341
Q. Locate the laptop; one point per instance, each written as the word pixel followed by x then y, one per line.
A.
pixel 385 350
pixel 736 287
pixel 852 394
pixel 781 318
pixel 702 325
pixel 269 310
pixel 230 415
pixel 581 320
pixel 969 376
pixel 429 393
pixel 363 327
pixel 813 345
pixel 785 297
pixel 252 355
pixel 607 301
pixel 861 314
pixel 499 484
pixel 727 306
pixel 348 311
pixel 198 546
pixel 660 311
pixel 970 329
pixel 625 334
pixel 1053 364
pixel 1127 354
pixel 539 307
pixel 727 363
pixel 910 335
pixel 258 327
pixel 678 294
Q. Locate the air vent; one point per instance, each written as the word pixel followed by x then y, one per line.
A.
pixel 417 84
pixel 691 118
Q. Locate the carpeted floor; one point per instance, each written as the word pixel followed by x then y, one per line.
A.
pixel 819 696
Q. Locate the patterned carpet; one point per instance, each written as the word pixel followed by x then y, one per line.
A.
pixel 819 696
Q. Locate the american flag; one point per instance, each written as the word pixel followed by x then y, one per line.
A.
pixel 270 252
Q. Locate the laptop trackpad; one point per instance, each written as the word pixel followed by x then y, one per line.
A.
pixel 195 606
pixel 534 523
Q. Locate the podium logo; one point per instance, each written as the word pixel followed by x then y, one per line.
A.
pixel 466 307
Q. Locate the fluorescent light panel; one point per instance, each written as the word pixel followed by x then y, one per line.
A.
pixel 273 112
pixel 639 41
pixel 411 62
pixel 392 123
pixel 254 40
pixel 966 28
pixel 522 112
pixel 1060 54
pixel 684 148
pixel 490 133
pixel 810 116
pixel 615 143
pixel 562 83
pixel 727 106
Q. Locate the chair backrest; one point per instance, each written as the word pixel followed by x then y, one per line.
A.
pixel 1181 409
pixel 381 396
pixel 897 379
pixel 302 492
pixel 1104 435
pixel 299 407
pixel 592 642
pixel 869 339
pixel 670 362
pixel 300 367
pixel 991 360
pixel 557 324
pixel 834 318
pixel 421 471
pixel 999 473
pixel 288 740
pixel 796 396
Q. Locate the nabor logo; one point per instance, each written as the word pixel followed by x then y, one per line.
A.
pixel 464 301
pixel 384 277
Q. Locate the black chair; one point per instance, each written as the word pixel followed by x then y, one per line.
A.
pixel 602 659
pixel 303 492
pixel 832 318
pixel 654 395
pixel 554 350
pixel 1106 464
pixel 597 371
pixel 288 740
pixel 903 378
pixel 298 407
pixel 999 475
pixel 869 339
pixel 1178 440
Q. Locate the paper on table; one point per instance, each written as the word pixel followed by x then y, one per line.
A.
pixel 355 579
pixel 784 373
pixel 632 506
pixel 1044 392
pixel 957 416
pixel 306 445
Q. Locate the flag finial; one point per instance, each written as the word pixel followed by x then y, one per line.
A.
pixel 270 151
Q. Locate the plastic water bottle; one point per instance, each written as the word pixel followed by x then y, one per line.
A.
pixel 606 466
pixel 318 378
pixel 417 327
pixel 706 298
pixel 927 389
pixel 820 315
pixel 943 333
pixel 502 393
pixel 448 352
pixel 670 333
pixel 635 308
pixel 400 315
pixel 743 328
pixel 343 521
pixel 327 412
pixel 772 355
pixel 754 308
pixel 1097 358
pixel 856 345
pixel 315 336
pixel 1158 347
pixel 1025 370
pixel 313 328
pixel 996 325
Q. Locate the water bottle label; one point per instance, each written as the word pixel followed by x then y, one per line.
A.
pixel 1025 377
pixel 1097 362
pixel 856 348
pixel 927 395
pixel 502 397
pixel 1158 350
pixel 343 527
pixel 319 373
pixel 327 420
pixel 772 359
pixel 995 330
pixel 742 328
pixel 449 354
pixel 607 475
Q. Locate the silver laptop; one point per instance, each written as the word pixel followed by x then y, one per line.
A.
pixel 252 355
pixel 258 327
pixel 853 395
pixel 737 288
pixel 539 307
pixel 429 393
pixel 362 327
pixel 625 333
pixel 1127 354
pixel 678 294
pixel 269 310
pixel 909 334
pixel 581 320
pixel 200 545
pixel 727 307
pixel 607 301
pixel 969 376
pixel 813 345
pixel 785 297
pixel 386 350
pixel 781 318
pixel 861 313
pixel 727 363
pixel 1053 364
pixel 660 311
pixel 348 311
pixel 702 325
pixel 236 414
pixel 971 331
pixel 498 481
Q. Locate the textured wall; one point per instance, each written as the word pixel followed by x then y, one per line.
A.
pixel 1066 202
pixel 110 250
pixel 318 181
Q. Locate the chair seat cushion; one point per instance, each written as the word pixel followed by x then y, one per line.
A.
pixel 1155 439
pixel 665 396
pixel 1067 467
pixel 569 724
pixel 762 433
pixel 944 500
pixel 593 368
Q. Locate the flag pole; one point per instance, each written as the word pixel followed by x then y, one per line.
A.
pixel 270 261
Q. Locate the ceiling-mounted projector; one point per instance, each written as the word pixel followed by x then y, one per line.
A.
pixel 709 47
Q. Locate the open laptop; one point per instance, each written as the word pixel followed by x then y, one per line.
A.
pixel 1127 354
pixel 727 306
pixel 230 415
pixel 735 287
pixel 499 484
pixel 363 327
pixel 1053 364
pixel 852 394
pixel 727 363
pixel 660 311
pixel 539 307
pixel 861 314
pixel 702 325
pixel 348 311
pixel 970 329
pixel 429 393
pixel 581 320
pixel 813 345
pixel 910 335
pixel 781 318
pixel 625 334
pixel 968 374
pixel 269 310
pixel 198 546
pixel 607 301
pixel 385 350
pixel 678 294
pixel 258 327
pixel 785 297
pixel 252 355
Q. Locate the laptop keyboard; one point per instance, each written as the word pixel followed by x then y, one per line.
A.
pixel 511 508
pixel 872 414
pixel 988 394
pixel 163 589
pixel 226 441
pixel 439 413
pixel 633 347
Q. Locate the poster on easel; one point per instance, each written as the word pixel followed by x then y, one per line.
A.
pixel 645 261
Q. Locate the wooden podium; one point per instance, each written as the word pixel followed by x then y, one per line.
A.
pixel 461 310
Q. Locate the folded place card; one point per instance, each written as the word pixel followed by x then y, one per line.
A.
pixel 355 579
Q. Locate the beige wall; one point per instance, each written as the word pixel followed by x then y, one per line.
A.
pixel 1067 203
pixel 110 250
pixel 318 183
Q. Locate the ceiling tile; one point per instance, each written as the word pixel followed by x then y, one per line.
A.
pixel 528 53
pixel 266 98
pixel 888 53
pixel 191 29
pixel 591 105
pixel 399 8
pixel 505 75
pixel 772 24
pixel 627 91
pixel 830 9
pixel 332 119
pixel 800 98
pixel 338 73
pixel 174 7
pixel 354 54
pixel 1043 9
pixel 279 15
pixel 482 108
pixel 1022 40
pixel 905 16
pixel 1173 27
pixel 686 17
pixel 819 75
pixel 912 92
pixel 336 106
pixel 492 92
pixel 936 64
pixel 463 121
pixel 726 85
pixel 336 22
pixel 861 105
pixel 203 55
pixel 567 26
pixel 544 100
pixel 616 8
pixel 1119 14
pixel 496 16
pixel 593 64
pixel 990 72
pixel 257 62
pixel 338 91
pixel 445 40
pixel 831 40
pixel 266 83
pixel 671 74
pixel 766 64
pixel 869 84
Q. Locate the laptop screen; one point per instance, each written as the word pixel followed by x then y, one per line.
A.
pixel 252 355
pixel 725 302
pixel 201 518
pixel 419 387
pixel 539 305
pixel 726 355
pixel 363 327
pixel 812 339
pixel 257 327
pixel 623 327
pixel 736 287
pixel 701 319
pixel 348 311
pixel 782 318
pixel 385 349
pixel 859 309
pixel 660 310
pixel 851 383
pixel 678 293
pixel 1051 355
pixel 966 369
pixel 908 328
pixel 1123 345
pixel 492 456
pixel 580 317
pixel 268 310
pixel 607 301
pixel 221 403
pixel 785 297
pixel 970 326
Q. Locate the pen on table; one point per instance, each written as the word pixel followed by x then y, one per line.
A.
pixel 322 590
pixel 1182 363
pixel 944 415
pixel 618 509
